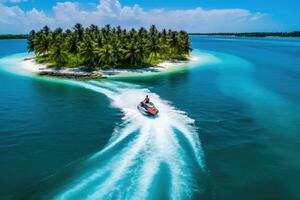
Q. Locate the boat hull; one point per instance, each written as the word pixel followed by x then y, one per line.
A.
pixel 145 112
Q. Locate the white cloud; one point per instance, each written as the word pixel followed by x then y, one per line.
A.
pixel 15 20
pixel 66 14
pixel 12 1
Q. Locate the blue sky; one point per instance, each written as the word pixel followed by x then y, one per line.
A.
pixel 18 16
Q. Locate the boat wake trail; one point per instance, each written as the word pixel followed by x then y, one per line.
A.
pixel 146 158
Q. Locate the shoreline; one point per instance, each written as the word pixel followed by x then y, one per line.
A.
pixel 30 65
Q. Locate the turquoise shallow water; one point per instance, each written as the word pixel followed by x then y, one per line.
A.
pixel 228 129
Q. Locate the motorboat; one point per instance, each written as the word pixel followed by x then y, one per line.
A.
pixel 148 109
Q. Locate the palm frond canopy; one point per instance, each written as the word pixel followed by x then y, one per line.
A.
pixel 94 47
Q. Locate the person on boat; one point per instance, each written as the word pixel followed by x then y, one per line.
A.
pixel 147 99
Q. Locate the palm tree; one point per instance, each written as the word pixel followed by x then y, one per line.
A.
pixel 142 32
pixel 57 33
pixel 134 53
pixel 79 32
pixel 185 44
pixel 153 47
pixel 57 51
pixel 88 52
pixel 46 30
pixel 73 46
pixel 118 52
pixel 106 55
pixel 58 55
pixel 153 31
pixel 30 41
pixel 107 28
pixel 173 42
pixel 118 31
pixel 43 41
pixel 94 28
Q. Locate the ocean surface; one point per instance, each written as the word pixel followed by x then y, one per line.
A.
pixel 228 128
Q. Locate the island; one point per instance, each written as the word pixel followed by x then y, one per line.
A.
pixel 254 34
pixel 92 51
pixel 12 36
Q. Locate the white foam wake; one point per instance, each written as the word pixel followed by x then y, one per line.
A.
pixel 146 158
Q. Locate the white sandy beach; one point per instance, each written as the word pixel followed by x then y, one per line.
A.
pixel 30 65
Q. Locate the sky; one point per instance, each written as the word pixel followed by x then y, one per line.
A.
pixel 21 16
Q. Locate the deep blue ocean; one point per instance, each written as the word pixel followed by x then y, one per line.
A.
pixel 228 129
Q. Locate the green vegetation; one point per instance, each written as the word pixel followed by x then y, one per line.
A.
pixel 10 36
pixel 254 34
pixel 104 48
